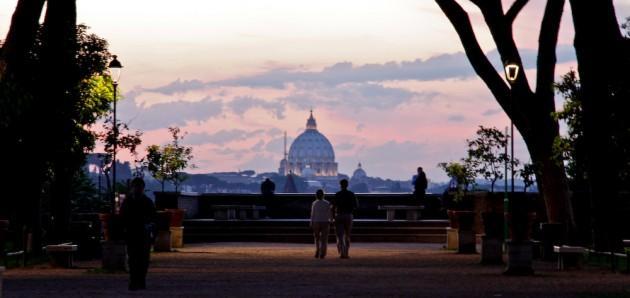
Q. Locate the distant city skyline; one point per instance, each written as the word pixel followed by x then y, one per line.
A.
pixel 387 80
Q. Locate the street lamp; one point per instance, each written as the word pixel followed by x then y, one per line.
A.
pixel 115 69
pixel 511 73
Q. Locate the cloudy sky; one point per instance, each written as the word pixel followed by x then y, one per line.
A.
pixel 387 80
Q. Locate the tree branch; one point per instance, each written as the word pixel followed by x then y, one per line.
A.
pixel 515 9
pixel 501 32
pixel 547 42
pixel 480 63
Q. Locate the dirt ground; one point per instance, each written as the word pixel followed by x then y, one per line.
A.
pixel 278 269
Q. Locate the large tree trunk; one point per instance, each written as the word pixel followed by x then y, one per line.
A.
pixel 20 38
pixel 601 63
pixel 22 184
pixel 59 103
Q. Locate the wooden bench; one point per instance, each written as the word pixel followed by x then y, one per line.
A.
pixel 228 212
pixel 569 255
pixel 62 254
pixel 412 211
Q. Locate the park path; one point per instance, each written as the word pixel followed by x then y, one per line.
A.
pixel 279 269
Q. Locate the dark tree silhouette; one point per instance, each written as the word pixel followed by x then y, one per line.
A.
pixel 603 63
pixel 49 103
pixel 530 110
pixel 20 38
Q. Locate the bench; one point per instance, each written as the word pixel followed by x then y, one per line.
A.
pixel 412 211
pixel 626 247
pixel 569 255
pixel 19 248
pixel 62 255
pixel 228 212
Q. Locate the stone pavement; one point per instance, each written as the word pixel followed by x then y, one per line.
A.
pixel 278 269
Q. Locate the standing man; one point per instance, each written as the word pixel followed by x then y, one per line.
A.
pixel 267 189
pixel 138 214
pixel 343 205
pixel 420 186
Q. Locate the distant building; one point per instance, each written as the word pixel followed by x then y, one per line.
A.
pixel 359 182
pixel 359 174
pixel 311 154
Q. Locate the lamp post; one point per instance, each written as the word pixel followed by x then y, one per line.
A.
pixel 115 69
pixel 519 250
pixel 511 73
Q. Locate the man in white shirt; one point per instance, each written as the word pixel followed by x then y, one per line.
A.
pixel 320 222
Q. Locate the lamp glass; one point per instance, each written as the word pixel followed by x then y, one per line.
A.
pixel 511 72
pixel 115 68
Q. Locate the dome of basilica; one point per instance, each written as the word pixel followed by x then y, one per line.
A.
pixel 311 149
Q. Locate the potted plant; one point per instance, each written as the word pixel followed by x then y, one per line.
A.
pixel 459 206
pixel 165 163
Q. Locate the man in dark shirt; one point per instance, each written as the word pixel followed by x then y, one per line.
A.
pixel 343 205
pixel 420 186
pixel 138 214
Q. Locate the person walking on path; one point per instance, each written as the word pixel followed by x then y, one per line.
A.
pixel 138 215
pixel 320 223
pixel 420 186
pixel 343 205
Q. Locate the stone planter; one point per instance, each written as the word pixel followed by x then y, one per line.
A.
pixel 114 256
pixel 1 274
pixel 491 250
pixel 4 227
pixel 176 217
pixel 163 241
pixel 166 200
pixel 163 221
pixel 520 255
pixel 463 235
pixel 177 237
pixel 519 247
pixel 492 240
pixel 112 227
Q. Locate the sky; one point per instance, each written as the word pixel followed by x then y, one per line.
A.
pixel 388 81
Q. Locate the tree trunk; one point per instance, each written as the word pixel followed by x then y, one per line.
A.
pixel 58 103
pixel 599 49
pixel 530 111
pixel 20 38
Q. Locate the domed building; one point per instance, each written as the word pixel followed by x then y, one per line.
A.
pixel 359 174
pixel 311 154
pixel 359 180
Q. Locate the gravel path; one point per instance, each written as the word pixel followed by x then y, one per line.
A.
pixel 270 269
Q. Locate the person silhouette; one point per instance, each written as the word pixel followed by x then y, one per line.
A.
pixel 420 186
pixel 320 223
pixel 138 215
pixel 267 190
pixel 343 206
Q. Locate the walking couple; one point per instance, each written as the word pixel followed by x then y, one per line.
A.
pixel 339 211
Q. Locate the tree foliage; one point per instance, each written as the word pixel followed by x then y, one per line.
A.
pixel 462 173
pixel 486 153
pixel 569 149
pixel 117 136
pixel 166 163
